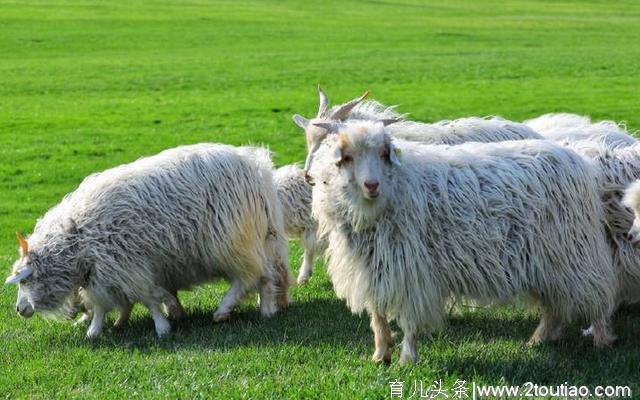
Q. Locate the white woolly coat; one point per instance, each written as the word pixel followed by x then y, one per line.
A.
pixel 295 194
pixel 470 129
pixel 568 128
pixel 618 167
pixel 485 221
pixel 167 222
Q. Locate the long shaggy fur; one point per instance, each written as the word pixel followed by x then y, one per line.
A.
pixel 553 121
pixel 471 129
pixel 372 110
pixel 485 221
pixel 142 231
pixel 616 155
pixel 294 194
pixel 446 132
pixel 619 167
pixel 568 128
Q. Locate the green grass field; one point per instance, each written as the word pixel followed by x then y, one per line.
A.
pixel 86 85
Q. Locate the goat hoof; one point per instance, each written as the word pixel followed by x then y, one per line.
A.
pixel 406 359
pixel 221 317
pixel 382 358
pixel 93 334
pixel 163 330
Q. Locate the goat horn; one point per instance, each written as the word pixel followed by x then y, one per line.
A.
pixel 24 245
pixel 324 102
pixel 344 110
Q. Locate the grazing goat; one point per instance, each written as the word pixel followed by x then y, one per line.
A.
pixel 142 231
pixel 407 230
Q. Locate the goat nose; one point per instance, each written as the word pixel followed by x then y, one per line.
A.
pixel 371 186
pixel 25 311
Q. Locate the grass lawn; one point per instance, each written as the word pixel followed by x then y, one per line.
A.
pixel 86 85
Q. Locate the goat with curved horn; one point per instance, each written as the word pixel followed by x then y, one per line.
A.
pixel 314 133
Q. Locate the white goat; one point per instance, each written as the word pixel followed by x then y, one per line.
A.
pixel 616 155
pixel 483 221
pixel 619 167
pixel 446 132
pixel 294 194
pixel 142 231
pixel 568 128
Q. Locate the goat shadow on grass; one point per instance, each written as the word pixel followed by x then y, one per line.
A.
pixel 548 366
pixel 472 351
pixel 320 321
pixel 487 343
pixel 489 324
pixel 310 323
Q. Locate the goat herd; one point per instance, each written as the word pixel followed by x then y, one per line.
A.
pixel 408 214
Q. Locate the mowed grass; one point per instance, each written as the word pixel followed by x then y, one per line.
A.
pixel 86 86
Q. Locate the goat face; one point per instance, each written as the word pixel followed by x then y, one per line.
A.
pixel 42 286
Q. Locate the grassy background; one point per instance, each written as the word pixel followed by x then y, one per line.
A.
pixel 85 86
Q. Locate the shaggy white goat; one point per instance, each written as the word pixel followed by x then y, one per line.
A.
pixel 619 167
pixel 445 132
pixel 142 231
pixel 568 128
pixel 294 194
pixel 616 154
pixel 483 221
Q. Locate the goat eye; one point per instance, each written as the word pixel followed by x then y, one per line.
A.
pixel 385 154
pixel 347 158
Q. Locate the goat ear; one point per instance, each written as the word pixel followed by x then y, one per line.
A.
pixel 301 121
pixel 389 121
pixel 394 154
pixel 336 155
pixel 324 102
pixel 24 245
pixel 19 276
